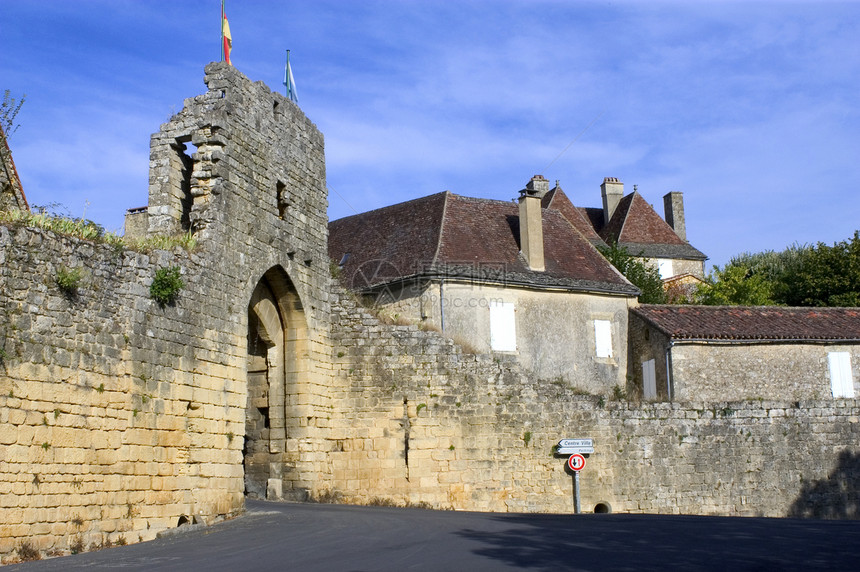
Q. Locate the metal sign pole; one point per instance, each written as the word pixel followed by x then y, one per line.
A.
pixel 576 507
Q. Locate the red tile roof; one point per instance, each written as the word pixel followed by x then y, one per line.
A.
pixel 450 235
pixel 752 322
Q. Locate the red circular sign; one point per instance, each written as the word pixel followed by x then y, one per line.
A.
pixel 576 462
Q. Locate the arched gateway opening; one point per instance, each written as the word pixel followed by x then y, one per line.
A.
pixel 277 336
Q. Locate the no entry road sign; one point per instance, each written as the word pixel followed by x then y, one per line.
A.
pixel 576 462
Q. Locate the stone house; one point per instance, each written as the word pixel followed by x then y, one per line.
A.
pixel 632 223
pixel 518 280
pixel 709 353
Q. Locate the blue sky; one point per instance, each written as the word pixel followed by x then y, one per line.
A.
pixel 750 109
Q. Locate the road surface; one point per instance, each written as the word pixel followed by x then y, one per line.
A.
pixel 315 537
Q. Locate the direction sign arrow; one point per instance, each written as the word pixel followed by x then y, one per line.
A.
pixel 572 450
pixel 576 443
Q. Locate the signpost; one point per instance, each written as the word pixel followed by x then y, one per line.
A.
pixel 576 448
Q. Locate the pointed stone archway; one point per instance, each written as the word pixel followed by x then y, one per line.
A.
pixel 277 340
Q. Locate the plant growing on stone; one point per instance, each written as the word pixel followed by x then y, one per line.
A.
pixel 9 108
pixel 166 285
pixel 26 552
pixel 69 279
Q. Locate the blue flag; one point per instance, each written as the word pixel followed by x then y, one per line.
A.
pixel 289 82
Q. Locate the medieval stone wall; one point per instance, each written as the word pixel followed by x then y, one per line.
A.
pixel 421 421
pixel 117 416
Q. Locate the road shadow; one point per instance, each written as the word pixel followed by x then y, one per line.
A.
pixel 661 542
pixel 834 497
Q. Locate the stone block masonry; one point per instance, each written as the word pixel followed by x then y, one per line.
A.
pixel 110 424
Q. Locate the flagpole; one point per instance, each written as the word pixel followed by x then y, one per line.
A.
pixel 286 76
pixel 221 26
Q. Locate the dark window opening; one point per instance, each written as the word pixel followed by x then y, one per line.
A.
pixel 185 154
pixel 264 411
pixel 283 199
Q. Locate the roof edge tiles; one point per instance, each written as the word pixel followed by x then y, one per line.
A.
pixel 752 323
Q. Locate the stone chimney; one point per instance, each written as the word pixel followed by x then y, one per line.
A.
pixel 612 191
pixel 673 207
pixel 531 222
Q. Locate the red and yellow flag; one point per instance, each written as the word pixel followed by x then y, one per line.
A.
pixel 226 38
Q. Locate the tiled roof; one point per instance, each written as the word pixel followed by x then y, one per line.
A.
pixel 454 236
pixel 636 226
pixel 752 322
pixel 556 199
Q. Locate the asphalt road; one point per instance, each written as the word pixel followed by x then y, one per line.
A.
pixel 309 537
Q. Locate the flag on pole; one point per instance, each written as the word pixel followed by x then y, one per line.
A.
pixel 226 38
pixel 289 82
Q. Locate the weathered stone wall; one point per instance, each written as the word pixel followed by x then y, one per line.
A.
pixel 787 371
pixel 115 414
pixel 423 422
pixel 11 193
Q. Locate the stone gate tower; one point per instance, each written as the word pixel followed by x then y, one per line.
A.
pixel 243 170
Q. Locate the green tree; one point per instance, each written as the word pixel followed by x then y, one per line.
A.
pixel 644 277
pixel 801 275
pixel 826 276
pixel 735 285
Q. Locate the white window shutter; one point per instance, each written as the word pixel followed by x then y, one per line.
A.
pixel 664 267
pixel 841 380
pixel 649 379
pixel 603 338
pixel 503 327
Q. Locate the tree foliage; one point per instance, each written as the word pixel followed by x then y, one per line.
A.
pixel 826 276
pixel 801 275
pixel 736 284
pixel 644 277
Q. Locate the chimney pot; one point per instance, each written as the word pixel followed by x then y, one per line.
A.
pixel 673 208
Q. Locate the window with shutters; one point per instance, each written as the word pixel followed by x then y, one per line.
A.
pixel 841 380
pixel 649 379
pixel 503 331
pixel 603 338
